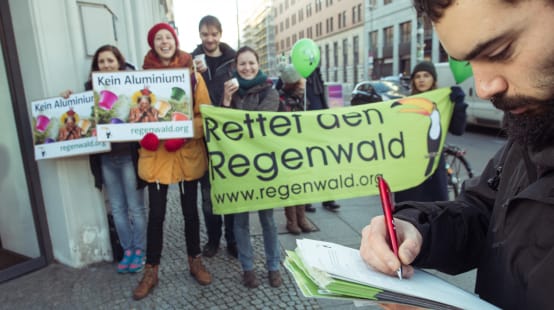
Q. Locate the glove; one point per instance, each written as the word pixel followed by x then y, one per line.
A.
pixel 150 142
pixel 456 94
pixel 459 116
pixel 173 145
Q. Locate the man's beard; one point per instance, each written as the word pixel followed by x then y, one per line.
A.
pixel 534 129
pixel 212 48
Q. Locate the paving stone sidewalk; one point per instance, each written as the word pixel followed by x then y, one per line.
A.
pixel 99 286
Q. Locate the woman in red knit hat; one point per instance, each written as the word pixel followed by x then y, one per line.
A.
pixel 181 161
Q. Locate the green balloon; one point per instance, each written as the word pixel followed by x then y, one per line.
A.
pixel 460 69
pixel 305 57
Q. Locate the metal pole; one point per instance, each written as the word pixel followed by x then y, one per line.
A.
pixel 238 24
pixel 366 39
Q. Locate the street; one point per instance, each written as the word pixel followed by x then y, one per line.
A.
pixel 480 143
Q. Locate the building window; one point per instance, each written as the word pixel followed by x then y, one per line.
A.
pixel 354 15
pixel 294 38
pixel 387 1
pixel 318 29
pixel 309 33
pixel 373 40
pixel 300 15
pixel 405 32
pixel 335 61
pixel 355 57
pixel 342 19
pixel 293 19
pixel 286 4
pixel 359 12
pixel 344 60
pixel 388 36
pixel 308 10
pixel 355 48
pixel 331 23
pixel 280 8
pixel 317 5
pixel 287 23
pixel 288 42
pixel 281 27
pixel 301 34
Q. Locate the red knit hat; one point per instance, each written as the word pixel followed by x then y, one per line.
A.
pixel 157 27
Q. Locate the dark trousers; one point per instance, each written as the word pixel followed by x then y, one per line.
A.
pixel 214 222
pixel 157 196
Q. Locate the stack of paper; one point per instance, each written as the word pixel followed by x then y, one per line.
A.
pixel 328 270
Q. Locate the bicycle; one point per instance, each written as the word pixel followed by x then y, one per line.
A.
pixel 458 168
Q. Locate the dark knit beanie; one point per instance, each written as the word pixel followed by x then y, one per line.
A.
pixel 425 66
pixel 157 27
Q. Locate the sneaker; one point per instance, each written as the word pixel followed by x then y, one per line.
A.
pixel 232 250
pixel 210 250
pixel 137 263
pixel 123 265
pixel 275 278
pixel 249 279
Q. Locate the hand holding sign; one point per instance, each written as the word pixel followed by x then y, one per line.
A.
pixel 305 56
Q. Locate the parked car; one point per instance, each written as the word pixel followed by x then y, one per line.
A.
pixel 402 81
pixel 375 91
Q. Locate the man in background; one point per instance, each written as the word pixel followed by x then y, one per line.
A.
pixel 216 68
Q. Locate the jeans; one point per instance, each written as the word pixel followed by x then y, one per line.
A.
pixel 127 202
pixel 157 194
pixel 244 244
pixel 214 221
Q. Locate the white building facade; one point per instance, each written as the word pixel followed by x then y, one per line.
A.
pixel 50 209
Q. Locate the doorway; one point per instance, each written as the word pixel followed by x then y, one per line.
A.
pixel 24 238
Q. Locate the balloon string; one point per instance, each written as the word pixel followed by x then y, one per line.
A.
pixel 305 96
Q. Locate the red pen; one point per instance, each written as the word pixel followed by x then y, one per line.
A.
pixel 388 208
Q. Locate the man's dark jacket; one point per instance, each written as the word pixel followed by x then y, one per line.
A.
pixel 222 73
pixel 502 224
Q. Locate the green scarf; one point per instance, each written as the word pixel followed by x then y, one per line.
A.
pixel 245 85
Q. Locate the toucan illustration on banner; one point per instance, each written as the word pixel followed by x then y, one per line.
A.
pixel 427 108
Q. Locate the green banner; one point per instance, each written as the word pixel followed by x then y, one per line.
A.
pixel 262 160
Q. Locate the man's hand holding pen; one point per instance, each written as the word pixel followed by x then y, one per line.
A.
pixel 376 251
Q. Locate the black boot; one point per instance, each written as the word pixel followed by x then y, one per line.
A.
pixel 330 205
pixel 309 208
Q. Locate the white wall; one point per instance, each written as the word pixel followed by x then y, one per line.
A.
pixel 52 55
